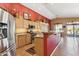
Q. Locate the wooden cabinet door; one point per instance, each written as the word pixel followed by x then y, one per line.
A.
pixel 21 39
pixel 28 38
pixel 39 46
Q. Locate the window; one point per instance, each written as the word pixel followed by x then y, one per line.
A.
pixel 58 28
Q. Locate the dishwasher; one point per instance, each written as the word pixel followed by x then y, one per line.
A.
pixel 7 34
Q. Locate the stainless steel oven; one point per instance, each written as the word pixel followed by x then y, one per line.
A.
pixel 7 34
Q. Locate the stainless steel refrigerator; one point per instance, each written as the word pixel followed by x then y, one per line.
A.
pixel 7 34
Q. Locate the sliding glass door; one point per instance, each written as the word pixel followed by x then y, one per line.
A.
pixel 73 29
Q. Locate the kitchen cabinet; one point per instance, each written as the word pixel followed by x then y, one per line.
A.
pixel 44 27
pixel 39 26
pixel 39 46
pixel 23 39
pixel 28 38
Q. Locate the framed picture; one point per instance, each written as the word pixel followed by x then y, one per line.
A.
pixel 26 16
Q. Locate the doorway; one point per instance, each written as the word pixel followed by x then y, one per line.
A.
pixel 73 30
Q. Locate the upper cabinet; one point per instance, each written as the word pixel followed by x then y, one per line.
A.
pixel 36 26
pixel 44 27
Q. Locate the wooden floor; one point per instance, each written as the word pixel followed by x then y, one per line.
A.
pixel 22 51
pixel 69 46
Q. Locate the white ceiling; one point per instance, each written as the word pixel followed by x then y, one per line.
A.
pixel 53 10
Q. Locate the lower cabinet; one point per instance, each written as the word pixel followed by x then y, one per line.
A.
pixel 44 45
pixel 28 38
pixel 39 46
pixel 23 39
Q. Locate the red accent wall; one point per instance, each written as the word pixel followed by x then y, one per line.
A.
pixel 20 9
pixel 50 43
